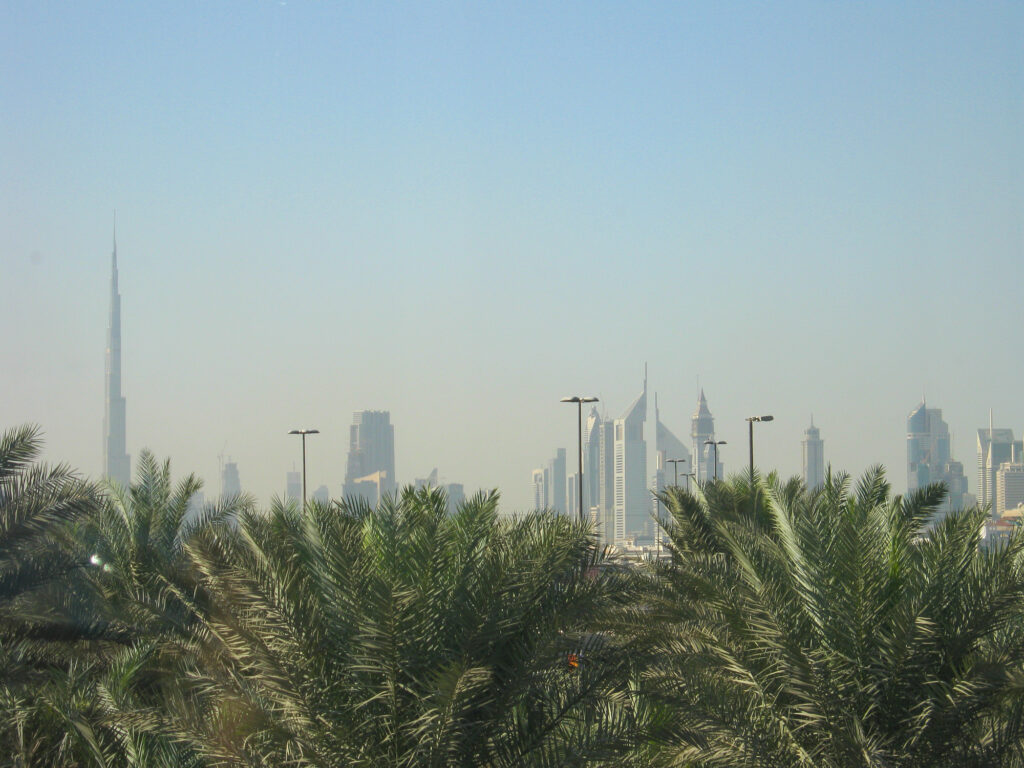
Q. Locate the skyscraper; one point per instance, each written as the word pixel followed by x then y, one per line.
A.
pixel 1009 486
pixel 230 482
pixel 632 501
pixel 929 458
pixel 293 487
pixel 606 480
pixel 556 482
pixel 539 483
pixel 927 447
pixel 814 457
pixel 370 471
pixel 995 447
pixel 702 429
pixel 116 462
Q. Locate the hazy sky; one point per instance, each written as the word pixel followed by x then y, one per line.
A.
pixel 461 212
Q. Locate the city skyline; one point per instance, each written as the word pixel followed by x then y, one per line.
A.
pixel 461 213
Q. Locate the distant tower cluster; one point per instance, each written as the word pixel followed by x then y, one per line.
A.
pixel 454 492
pixel 116 462
pixel 549 484
pixel 370 472
pixel 616 492
pixel 1000 469
pixel 814 457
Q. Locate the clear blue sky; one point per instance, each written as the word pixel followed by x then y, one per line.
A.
pixel 462 212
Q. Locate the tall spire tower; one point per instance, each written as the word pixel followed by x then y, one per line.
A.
pixel 116 463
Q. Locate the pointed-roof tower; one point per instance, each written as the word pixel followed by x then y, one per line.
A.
pixel 116 462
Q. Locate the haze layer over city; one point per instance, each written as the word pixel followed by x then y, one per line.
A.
pixel 460 214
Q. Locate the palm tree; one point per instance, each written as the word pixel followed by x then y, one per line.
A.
pixel 399 636
pixel 831 628
pixel 146 587
pixel 43 628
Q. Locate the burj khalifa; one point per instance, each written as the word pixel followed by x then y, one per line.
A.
pixel 116 463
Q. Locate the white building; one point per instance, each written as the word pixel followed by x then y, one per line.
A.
pixel 1009 487
pixel 632 497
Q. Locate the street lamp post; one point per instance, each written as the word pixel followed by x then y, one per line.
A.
pixel 579 400
pixel 750 424
pixel 715 444
pixel 304 432
pixel 675 466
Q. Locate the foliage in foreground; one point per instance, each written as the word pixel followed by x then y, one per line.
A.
pixel 822 628
pixel 791 628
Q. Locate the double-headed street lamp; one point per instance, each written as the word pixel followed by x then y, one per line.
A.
pixel 750 423
pixel 715 443
pixel 675 466
pixel 579 400
pixel 304 432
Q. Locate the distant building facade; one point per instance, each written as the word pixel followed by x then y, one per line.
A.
pixel 370 470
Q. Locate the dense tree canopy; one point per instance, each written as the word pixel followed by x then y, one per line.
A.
pixel 843 626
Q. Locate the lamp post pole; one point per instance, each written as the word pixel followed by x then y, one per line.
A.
pixel 304 432
pixel 715 444
pixel 580 400
pixel 675 466
pixel 750 424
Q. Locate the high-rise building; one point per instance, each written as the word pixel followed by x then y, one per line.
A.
pixel 293 487
pixel 814 457
pixel 116 462
pixel 230 482
pixel 702 429
pixel 540 489
pixel 549 484
pixel 1009 486
pixel 456 494
pixel 370 472
pixel 591 460
pixel 929 458
pixel 632 499
pixel 556 482
pixel 995 447
pixel 927 447
pixel 322 495
pixel 606 480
